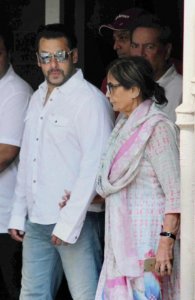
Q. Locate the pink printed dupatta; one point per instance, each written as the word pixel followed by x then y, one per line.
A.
pixel 119 166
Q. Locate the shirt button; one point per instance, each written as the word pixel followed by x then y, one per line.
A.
pixel 56 121
pixel 37 139
pixel 34 159
pixel 75 237
pixel 41 118
pixel 50 99
pixel 34 181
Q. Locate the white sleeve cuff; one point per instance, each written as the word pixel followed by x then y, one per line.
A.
pixel 17 222
pixel 65 233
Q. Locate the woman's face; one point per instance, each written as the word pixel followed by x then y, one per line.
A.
pixel 122 100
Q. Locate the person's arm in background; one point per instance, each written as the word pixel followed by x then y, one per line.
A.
pixel 164 156
pixel 19 210
pixel 11 128
pixel 7 155
pixel 11 134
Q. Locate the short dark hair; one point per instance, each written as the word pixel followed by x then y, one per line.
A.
pixel 6 35
pixel 137 71
pixel 56 30
pixel 153 21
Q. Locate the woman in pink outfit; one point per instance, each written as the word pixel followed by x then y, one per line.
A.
pixel 139 179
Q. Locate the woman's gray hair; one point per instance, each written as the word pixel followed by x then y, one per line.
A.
pixel 137 71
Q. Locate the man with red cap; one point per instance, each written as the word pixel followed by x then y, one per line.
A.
pixel 119 31
pixel 120 28
pixel 139 33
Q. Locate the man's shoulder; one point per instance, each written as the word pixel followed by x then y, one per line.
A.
pixel 171 78
pixel 20 84
pixel 175 74
pixel 17 84
pixel 91 91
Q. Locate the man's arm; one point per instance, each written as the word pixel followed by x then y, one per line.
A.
pixel 7 155
pixel 11 132
pixel 93 126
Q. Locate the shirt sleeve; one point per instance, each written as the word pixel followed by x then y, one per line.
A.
pixel 93 125
pixel 12 119
pixel 19 208
pixel 163 153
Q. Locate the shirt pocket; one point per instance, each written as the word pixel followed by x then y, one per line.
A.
pixel 57 128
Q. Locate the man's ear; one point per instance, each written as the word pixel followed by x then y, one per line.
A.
pixel 75 55
pixel 168 51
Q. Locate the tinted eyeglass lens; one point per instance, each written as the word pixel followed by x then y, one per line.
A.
pixel 110 86
pixel 60 56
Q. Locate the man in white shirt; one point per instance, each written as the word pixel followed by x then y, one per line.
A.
pixel 66 128
pixel 137 32
pixel 14 97
pixel 152 40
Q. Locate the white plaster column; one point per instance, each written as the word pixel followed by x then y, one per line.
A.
pixel 52 11
pixel 186 122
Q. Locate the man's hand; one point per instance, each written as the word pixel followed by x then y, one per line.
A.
pixel 16 234
pixel 58 242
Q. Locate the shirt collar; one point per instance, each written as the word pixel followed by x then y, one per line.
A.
pixel 165 78
pixel 70 84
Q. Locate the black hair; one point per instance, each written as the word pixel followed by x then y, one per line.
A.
pixel 53 31
pixel 153 21
pixel 6 35
pixel 137 71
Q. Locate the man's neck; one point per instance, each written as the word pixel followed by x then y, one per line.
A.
pixel 161 72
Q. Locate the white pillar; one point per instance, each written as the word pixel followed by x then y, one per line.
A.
pixel 52 11
pixel 186 121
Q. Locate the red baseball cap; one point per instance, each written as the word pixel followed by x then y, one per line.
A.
pixel 124 20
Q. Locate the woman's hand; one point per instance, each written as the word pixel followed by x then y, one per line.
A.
pixel 164 256
pixel 98 200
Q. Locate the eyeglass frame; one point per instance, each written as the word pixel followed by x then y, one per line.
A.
pixel 110 86
pixel 49 56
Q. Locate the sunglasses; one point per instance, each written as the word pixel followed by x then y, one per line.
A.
pixel 60 56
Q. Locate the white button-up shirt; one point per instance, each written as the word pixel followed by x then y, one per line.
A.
pixel 62 146
pixel 14 98
pixel 171 81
